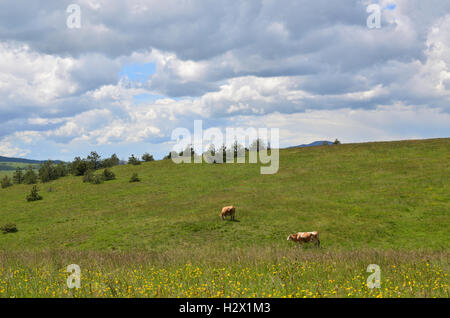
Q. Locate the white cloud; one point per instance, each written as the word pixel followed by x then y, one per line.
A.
pixel 311 67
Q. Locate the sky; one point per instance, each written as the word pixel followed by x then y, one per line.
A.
pixel 135 70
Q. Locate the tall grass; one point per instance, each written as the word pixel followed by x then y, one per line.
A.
pixel 260 272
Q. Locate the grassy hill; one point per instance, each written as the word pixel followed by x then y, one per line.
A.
pixel 384 201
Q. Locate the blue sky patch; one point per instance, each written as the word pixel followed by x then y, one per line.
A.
pixel 390 7
pixel 137 72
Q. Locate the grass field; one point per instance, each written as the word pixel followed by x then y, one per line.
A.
pixel 384 203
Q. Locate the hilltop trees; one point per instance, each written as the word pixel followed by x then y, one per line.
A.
pixel 94 161
pixel 147 157
pixel 78 167
pixel 110 162
pixel 133 160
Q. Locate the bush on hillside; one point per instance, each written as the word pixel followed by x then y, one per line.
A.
pixel 135 178
pixel 6 182
pixel 96 179
pixel 108 175
pixel 34 195
pixel 8 228
pixel 88 176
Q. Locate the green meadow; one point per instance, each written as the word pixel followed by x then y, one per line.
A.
pixel 385 203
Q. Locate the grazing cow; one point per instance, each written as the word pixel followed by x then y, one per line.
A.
pixel 228 210
pixel 305 237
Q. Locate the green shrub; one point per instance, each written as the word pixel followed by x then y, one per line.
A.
pixel 6 182
pixel 9 228
pixel 133 160
pixel 34 195
pixel 96 179
pixel 108 175
pixel 147 157
pixel 88 176
pixel 135 178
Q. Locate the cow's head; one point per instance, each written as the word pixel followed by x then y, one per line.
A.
pixel 290 237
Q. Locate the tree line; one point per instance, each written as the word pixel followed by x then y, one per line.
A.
pixel 234 150
pixel 50 171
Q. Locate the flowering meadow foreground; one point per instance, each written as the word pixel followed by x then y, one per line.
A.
pixel 383 203
pixel 287 274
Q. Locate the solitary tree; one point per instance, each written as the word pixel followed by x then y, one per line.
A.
pixel 18 176
pixel 94 160
pixel 34 195
pixel 337 142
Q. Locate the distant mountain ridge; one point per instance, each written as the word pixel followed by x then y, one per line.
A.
pixel 22 160
pixel 313 144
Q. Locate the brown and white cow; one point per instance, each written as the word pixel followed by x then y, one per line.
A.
pixel 228 210
pixel 305 237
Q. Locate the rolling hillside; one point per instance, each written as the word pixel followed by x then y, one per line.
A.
pixel 380 196
pixel 385 195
